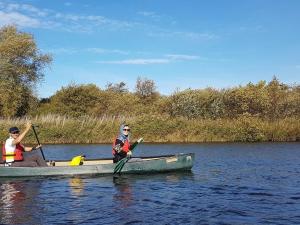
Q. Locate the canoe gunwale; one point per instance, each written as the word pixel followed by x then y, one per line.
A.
pixel 143 157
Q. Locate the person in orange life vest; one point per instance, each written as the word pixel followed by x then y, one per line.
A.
pixel 12 151
pixel 121 146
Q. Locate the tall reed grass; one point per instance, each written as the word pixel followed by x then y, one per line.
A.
pixel 55 129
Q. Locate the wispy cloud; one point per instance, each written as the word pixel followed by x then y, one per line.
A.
pixel 144 13
pixel 12 7
pixel 136 61
pixel 168 58
pixel 26 15
pixel 182 57
pixel 62 50
pixel 18 19
pixel 148 14
pixel 105 51
pixel 183 34
pixel 155 17
pixel 89 50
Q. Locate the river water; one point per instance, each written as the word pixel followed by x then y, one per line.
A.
pixel 229 184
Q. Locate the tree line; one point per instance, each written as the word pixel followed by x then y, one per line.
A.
pixel 272 100
pixel 261 111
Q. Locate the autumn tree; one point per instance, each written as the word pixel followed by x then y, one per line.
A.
pixel 78 100
pixel 117 87
pixel 21 68
pixel 277 93
pixel 206 103
pixel 250 99
pixel 146 89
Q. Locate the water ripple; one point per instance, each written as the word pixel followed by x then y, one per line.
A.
pixel 229 184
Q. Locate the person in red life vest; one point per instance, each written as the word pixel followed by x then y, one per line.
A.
pixel 121 146
pixel 12 150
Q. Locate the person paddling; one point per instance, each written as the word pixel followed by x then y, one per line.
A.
pixel 12 150
pixel 121 146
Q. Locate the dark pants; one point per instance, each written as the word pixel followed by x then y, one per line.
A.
pixel 34 160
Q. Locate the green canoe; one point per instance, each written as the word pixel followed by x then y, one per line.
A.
pixel 154 164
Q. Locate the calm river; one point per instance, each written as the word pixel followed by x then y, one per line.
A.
pixel 229 184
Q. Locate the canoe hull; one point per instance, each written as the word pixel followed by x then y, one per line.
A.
pixel 146 165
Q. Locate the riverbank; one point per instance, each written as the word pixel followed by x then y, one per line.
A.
pixel 156 129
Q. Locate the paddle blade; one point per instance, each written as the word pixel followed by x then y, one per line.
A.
pixel 119 166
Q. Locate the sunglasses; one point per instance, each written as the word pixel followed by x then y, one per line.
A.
pixel 16 132
pixel 126 129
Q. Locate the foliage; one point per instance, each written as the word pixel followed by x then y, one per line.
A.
pixel 146 89
pixel 255 112
pixel 193 104
pixel 77 100
pixel 21 67
pixel 117 87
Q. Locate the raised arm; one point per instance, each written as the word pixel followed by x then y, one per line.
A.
pixel 22 135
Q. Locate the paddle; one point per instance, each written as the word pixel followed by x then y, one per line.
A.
pixel 119 166
pixel 38 140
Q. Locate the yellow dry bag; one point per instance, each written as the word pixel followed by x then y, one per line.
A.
pixel 77 160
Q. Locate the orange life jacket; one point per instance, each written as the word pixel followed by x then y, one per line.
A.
pixel 125 148
pixel 17 155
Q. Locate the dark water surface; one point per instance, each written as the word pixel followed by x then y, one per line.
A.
pixel 229 184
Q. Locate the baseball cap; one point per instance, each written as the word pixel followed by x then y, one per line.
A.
pixel 13 129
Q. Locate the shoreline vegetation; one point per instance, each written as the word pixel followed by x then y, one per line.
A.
pixel 56 129
pixel 86 113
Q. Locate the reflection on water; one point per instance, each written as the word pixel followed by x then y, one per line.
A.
pixel 16 202
pixel 229 184
pixel 76 184
pixel 125 185
pixel 123 191
pixel 11 201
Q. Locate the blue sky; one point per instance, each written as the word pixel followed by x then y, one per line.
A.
pixel 178 44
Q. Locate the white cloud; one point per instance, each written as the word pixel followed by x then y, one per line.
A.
pixel 27 15
pixel 82 23
pixel 90 50
pixel 166 58
pixel 49 19
pixel 151 15
pixel 62 51
pixel 169 58
pixel 181 57
pixel 109 51
pixel 144 13
pixel 25 8
pixel 183 34
pixel 136 61
pixel 18 19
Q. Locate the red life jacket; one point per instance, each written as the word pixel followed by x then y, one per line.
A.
pixel 125 148
pixel 18 154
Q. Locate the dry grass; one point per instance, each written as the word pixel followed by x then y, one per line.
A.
pixel 56 129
